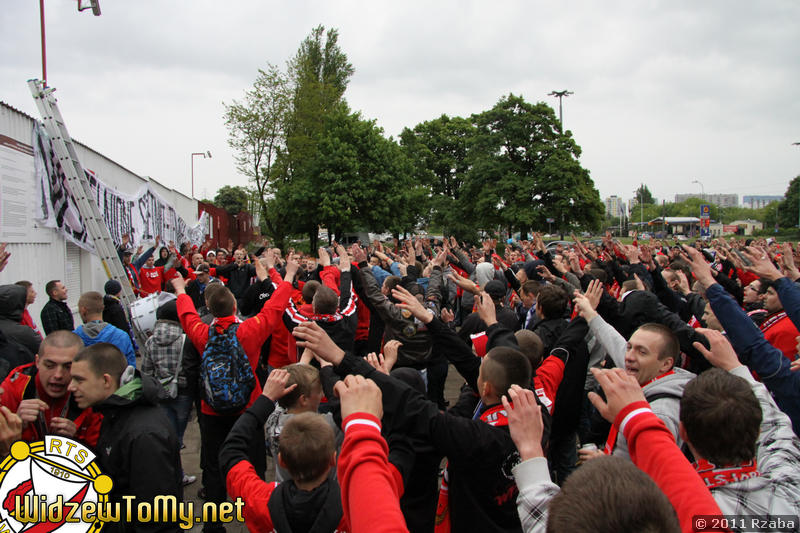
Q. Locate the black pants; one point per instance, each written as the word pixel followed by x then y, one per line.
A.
pixel 213 432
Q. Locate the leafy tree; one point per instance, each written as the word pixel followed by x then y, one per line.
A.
pixel 256 132
pixel 319 73
pixel 438 150
pixel 359 179
pixel 232 198
pixel 524 170
pixel 644 195
pixel 788 208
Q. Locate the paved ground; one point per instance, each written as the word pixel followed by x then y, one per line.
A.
pixel 191 453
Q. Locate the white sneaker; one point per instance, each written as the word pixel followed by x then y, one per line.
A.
pixel 188 480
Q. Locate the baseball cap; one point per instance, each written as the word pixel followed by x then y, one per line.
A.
pixel 202 268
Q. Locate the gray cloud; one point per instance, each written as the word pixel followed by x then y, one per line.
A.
pixel 665 92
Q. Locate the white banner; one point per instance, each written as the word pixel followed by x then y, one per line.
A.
pixel 142 216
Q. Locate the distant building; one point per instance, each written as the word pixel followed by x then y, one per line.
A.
pixel 721 200
pixel 615 206
pixel 759 201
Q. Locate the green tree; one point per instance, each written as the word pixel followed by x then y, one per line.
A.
pixel 232 198
pixel 257 133
pixel 359 179
pixel 644 195
pixel 319 73
pixel 788 208
pixel 524 170
pixel 438 150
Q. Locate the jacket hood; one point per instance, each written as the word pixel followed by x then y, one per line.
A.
pixel 12 301
pixel 166 332
pixel 484 273
pixel 136 388
pixel 672 384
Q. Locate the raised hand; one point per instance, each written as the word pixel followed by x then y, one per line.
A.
pixel 359 395
pixel 275 387
pixel 524 421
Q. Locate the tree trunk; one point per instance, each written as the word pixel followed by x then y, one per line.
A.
pixel 313 238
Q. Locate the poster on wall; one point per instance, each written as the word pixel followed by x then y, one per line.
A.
pixel 142 216
pixel 17 222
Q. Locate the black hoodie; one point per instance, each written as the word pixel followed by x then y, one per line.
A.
pixel 12 305
pixel 138 448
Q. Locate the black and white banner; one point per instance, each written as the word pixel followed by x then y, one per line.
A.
pixel 142 216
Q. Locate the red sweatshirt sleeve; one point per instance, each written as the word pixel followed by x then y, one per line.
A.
pixel 548 377
pixel 195 329
pixel 243 482
pixel 275 276
pixel 328 277
pixel 652 448
pixel 365 475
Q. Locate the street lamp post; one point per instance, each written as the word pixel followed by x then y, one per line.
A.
pixel 702 189
pixel 204 154
pixel 94 5
pixel 560 95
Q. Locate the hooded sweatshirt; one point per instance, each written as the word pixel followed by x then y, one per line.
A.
pixel 138 447
pixel 163 353
pixel 98 331
pixel 664 393
pixel 12 305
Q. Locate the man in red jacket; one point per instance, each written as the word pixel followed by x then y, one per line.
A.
pixel 777 328
pixel 37 392
pixel 251 334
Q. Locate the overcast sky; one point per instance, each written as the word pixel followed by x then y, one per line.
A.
pixel 665 92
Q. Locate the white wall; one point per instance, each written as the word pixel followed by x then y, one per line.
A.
pixel 40 254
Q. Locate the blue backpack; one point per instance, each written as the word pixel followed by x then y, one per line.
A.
pixel 228 379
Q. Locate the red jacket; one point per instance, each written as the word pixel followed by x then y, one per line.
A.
pixel 17 387
pixel 371 486
pixel 781 332
pixel 252 333
pixel 652 448
pixel 27 320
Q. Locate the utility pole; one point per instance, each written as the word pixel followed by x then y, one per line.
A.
pixel 560 95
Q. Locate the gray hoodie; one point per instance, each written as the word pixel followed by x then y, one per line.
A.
pixel 667 407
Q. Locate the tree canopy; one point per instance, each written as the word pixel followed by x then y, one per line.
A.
pixel 233 199
pixel 314 162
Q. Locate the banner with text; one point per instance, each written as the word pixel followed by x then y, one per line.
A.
pixel 141 216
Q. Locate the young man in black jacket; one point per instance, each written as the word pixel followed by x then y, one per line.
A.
pixel 138 447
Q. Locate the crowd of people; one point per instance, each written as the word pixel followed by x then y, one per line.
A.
pixel 606 387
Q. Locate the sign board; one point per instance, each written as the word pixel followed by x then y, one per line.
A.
pixel 705 211
pixel 550 220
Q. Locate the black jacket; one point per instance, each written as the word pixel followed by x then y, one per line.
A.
pixel 482 493
pixel 473 323
pixel 12 305
pixel 56 315
pixel 138 449
pixel 239 277
pixel 114 314
pixel 640 307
